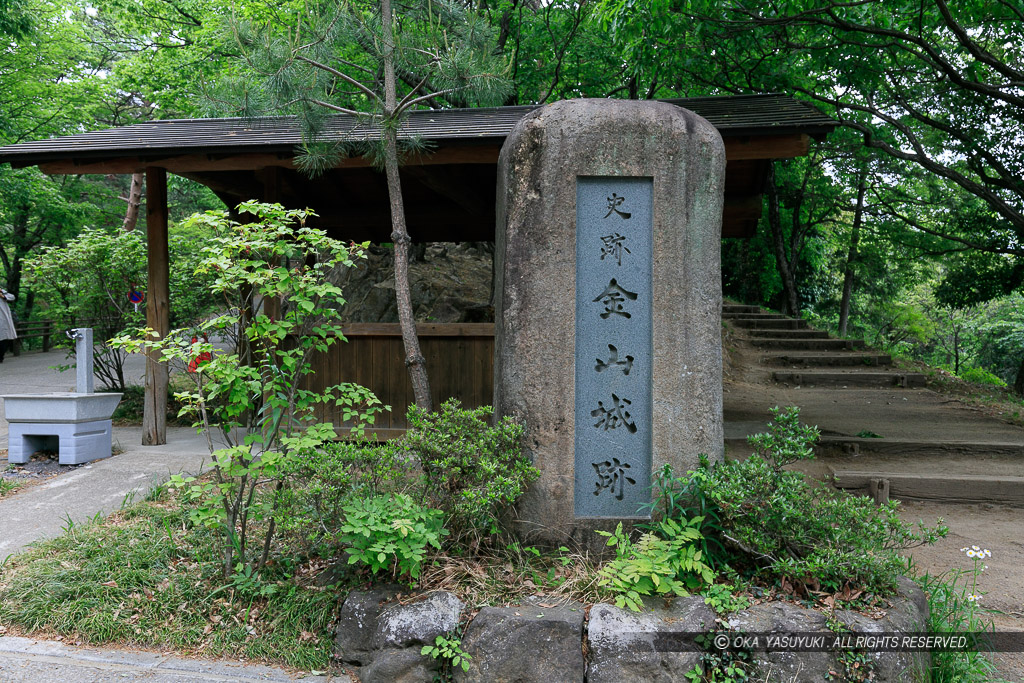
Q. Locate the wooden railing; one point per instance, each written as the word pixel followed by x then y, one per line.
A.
pixel 34 330
pixel 460 362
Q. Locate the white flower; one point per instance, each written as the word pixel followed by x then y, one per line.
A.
pixel 972 553
pixel 974 597
pixel 986 553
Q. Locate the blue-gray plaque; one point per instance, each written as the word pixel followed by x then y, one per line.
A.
pixel 613 346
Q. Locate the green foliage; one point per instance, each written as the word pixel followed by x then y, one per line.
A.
pixel 981 376
pixel 330 477
pixel 789 529
pixel 953 607
pixel 150 577
pixel 473 471
pixel 87 282
pixel 448 650
pixel 391 533
pixel 254 396
pixel 722 598
pixel 666 562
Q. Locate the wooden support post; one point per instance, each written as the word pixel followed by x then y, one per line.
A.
pixel 154 413
pixel 271 179
pixel 879 490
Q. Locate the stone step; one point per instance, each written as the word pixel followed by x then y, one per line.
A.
pixel 894 449
pixel 889 453
pixel 808 344
pixel 769 323
pixel 963 488
pixel 755 316
pixel 826 359
pixel 850 378
pixel 787 334
pixel 740 308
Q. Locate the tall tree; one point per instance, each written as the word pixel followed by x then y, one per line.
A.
pixel 377 61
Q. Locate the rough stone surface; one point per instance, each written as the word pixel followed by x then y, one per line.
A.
pixel 524 644
pixel 356 632
pixel 384 637
pixel 449 283
pixel 785 666
pixel 620 643
pixel 908 614
pixel 535 287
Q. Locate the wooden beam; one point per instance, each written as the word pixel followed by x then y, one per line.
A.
pixel 766 147
pixel 197 163
pixel 736 149
pixel 158 296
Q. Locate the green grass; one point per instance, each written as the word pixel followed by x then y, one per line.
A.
pixel 146 577
pixel 950 611
pixel 8 486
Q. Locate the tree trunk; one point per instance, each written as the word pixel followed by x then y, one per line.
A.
pixel 131 216
pixel 790 302
pixel 414 360
pixel 851 256
pixel 1018 384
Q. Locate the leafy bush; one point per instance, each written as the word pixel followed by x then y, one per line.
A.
pixel 981 376
pixel 254 397
pixel 87 282
pixel 473 471
pixel 662 563
pixel 789 529
pixel 327 479
pixel 391 533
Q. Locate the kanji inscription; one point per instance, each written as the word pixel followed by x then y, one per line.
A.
pixel 613 346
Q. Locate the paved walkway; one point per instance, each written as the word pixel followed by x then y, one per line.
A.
pixel 99 487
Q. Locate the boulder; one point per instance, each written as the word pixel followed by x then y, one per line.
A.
pixel 385 637
pixel 621 643
pixel 908 614
pixel 525 644
pixel 785 666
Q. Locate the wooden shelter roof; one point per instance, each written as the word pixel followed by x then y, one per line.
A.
pixel 241 159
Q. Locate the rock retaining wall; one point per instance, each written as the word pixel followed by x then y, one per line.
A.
pixel 540 640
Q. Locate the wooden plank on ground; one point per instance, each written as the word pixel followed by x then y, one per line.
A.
pixel 961 488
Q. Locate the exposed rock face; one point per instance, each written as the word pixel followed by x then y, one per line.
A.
pixel 385 637
pixel 525 644
pixel 621 643
pixel 908 614
pixel 450 283
pixel 785 666
pixel 537 642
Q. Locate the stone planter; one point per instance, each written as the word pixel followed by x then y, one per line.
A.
pixel 64 407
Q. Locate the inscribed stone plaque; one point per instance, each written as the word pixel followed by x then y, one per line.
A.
pixel 565 256
pixel 613 346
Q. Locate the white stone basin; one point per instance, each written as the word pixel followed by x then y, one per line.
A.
pixel 62 407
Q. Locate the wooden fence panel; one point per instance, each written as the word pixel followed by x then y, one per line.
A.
pixel 460 362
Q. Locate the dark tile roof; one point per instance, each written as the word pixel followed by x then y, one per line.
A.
pixel 733 116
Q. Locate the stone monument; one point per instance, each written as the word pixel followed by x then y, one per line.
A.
pixel 608 323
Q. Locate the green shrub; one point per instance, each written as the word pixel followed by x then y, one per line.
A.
pixel 473 471
pixel 787 528
pixel 328 478
pixel 981 376
pixel 659 563
pixel 391 533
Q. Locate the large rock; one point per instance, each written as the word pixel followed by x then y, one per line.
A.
pixel 449 283
pixel 385 637
pixel 621 643
pixel 785 667
pixel 677 159
pixel 524 644
pixel 907 614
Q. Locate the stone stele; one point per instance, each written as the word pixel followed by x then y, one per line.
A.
pixel 608 309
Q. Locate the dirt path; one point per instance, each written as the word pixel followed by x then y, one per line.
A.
pixel 915 415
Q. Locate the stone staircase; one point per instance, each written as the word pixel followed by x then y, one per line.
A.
pixel 931 447
pixel 792 344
